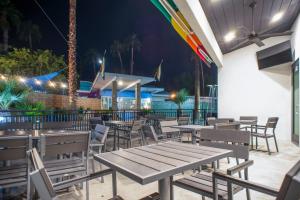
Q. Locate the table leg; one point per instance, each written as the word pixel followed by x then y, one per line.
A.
pixel 115 132
pixel 194 133
pixel 165 189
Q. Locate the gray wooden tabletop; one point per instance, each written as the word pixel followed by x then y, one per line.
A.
pixel 192 127
pixel 151 163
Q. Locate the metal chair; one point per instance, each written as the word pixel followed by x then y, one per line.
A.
pixel 44 185
pixel 202 182
pixel 167 129
pixel 67 125
pixel 64 154
pixel 289 188
pixel 132 133
pixel 230 126
pixel 211 121
pixel 94 121
pixel 13 126
pixel 150 133
pixel 271 124
pixel 13 152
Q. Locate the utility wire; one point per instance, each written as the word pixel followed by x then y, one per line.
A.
pixel 50 20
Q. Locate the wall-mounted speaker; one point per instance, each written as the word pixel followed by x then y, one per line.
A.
pixel 275 55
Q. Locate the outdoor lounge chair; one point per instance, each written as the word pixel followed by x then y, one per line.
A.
pixel 289 189
pixel 202 182
pixel 132 133
pixel 271 124
pixel 44 185
pixel 13 149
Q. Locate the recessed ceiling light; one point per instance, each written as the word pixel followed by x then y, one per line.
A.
pixel 229 36
pixel 277 17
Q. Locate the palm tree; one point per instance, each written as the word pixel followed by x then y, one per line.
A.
pixel 117 48
pixel 30 33
pixel 180 98
pixel 9 17
pixel 196 60
pixel 72 75
pixel 133 44
pixel 91 57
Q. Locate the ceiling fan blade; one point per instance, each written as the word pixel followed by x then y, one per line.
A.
pixel 257 41
pixel 276 34
pixel 239 45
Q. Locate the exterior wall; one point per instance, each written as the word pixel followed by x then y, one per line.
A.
pixel 243 89
pixel 62 101
pixel 296 37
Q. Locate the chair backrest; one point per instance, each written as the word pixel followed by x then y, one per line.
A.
pixel 168 123
pixel 16 126
pixel 14 147
pixel 100 133
pixel 57 125
pixel 149 132
pixel 183 120
pixel 249 118
pixel 94 121
pixel 40 177
pixel 63 143
pixel 137 125
pixel 230 126
pixel 213 121
pixel 290 187
pixel 237 141
pixel 272 122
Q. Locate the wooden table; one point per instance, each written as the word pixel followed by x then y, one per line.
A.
pixel 35 134
pixel 193 128
pixel 159 162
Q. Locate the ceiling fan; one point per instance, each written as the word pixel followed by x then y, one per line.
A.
pixel 254 37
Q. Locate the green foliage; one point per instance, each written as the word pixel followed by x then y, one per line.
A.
pixel 11 93
pixel 31 108
pixel 181 97
pixel 26 62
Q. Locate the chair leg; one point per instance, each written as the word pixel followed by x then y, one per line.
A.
pixel 238 162
pixel 203 197
pixel 268 146
pixel 256 143
pixel 228 160
pixel 276 143
pixel 87 190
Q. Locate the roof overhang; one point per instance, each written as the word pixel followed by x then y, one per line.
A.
pixel 195 16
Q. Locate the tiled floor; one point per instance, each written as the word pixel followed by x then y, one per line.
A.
pixel 268 170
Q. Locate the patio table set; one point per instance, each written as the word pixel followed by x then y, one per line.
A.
pixel 159 161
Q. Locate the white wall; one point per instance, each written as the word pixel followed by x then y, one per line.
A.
pixel 246 90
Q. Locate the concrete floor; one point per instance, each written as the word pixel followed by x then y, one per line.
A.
pixel 267 170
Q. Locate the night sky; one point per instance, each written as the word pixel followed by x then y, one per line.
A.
pixel 100 22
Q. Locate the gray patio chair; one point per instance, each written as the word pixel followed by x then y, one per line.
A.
pixel 167 129
pixel 94 121
pixel 98 143
pixel 64 154
pixel 132 133
pixel 289 189
pixel 13 126
pixel 213 121
pixel 185 121
pixel 202 182
pixel 13 151
pixel 230 126
pixel 67 125
pixel 271 124
pixel 250 124
pixel 44 185
pixel 150 133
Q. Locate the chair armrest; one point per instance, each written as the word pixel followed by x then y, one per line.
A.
pixel 73 181
pixel 96 145
pixel 245 184
pixel 239 167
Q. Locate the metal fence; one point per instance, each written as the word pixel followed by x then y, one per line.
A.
pixel 81 118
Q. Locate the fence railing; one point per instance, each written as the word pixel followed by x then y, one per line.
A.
pixel 81 118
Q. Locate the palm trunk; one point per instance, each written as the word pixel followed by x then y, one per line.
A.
pixel 5 40
pixel 131 62
pixel 30 41
pixel 121 62
pixel 72 54
pixel 197 90
pixel 202 76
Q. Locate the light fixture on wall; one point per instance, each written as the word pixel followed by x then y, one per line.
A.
pixel 277 17
pixel 229 36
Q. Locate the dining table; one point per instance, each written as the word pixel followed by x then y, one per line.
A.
pixel 193 128
pixel 159 162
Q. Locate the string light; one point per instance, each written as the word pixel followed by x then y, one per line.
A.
pixel 63 85
pixel 3 77
pixel 38 82
pixel 22 80
pixel 51 84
